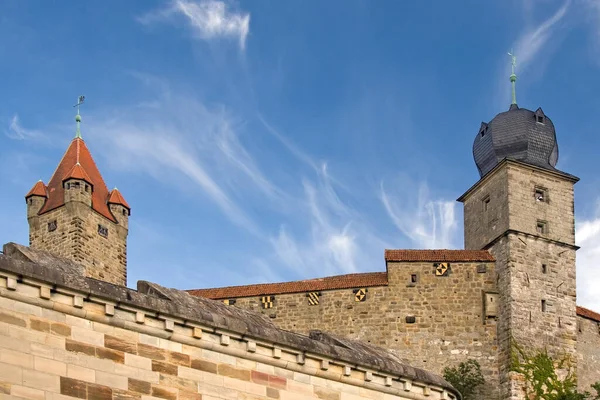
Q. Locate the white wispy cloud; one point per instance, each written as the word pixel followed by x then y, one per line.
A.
pixel 209 19
pixel 533 47
pixel 18 132
pixel 180 138
pixel 427 222
pixel 593 12
pixel 588 276
pixel 334 239
pixel 529 45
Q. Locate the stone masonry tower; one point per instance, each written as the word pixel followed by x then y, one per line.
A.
pixel 522 211
pixel 75 216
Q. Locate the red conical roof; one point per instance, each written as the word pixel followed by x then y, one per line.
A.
pixel 77 172
pixel 115 197
pixel 39 189
pixel 78 153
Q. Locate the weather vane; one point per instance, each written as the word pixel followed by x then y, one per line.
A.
pixel 514 61
pixel 80 101
pixel 513 77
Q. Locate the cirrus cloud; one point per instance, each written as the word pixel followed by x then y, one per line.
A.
pixel 209 19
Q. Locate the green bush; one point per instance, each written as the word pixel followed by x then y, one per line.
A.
pixel 465 378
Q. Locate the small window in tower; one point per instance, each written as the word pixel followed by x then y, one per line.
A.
pixel 124 212
pixel 544 269
pixel 75 185
pixel 413 278
pixel 30 201
pixel 543 305
pixel 483 132
pixel 52 226
pixel 542 227
pixel 486 203
pixel 87 188
pixel 539 119
pixel 102 230
pixel 541 195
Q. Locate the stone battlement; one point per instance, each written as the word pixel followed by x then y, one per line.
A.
pixel 164 329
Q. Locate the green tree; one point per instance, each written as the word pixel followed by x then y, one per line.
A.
pixel 465 378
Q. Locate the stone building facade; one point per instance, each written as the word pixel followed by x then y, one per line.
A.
pixel 75 216
pixel 64 335
pixel 428 318
pixel 513 284
pixel 436 308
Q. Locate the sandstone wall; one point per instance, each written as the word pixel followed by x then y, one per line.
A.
pixel 486 210
pixel 588 352
pixel 76 236
pixel 557 210
pixel 449 311
pixel 60 343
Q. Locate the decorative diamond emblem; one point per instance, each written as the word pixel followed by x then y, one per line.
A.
pixel 441 269
pixel 360 294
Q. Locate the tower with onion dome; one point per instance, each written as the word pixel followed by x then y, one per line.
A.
pixel 76 216
pixel 522 211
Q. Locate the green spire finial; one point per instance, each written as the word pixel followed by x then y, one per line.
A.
pixel 513 77
pixel 80 101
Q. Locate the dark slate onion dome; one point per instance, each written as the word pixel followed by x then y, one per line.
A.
pixel 517 134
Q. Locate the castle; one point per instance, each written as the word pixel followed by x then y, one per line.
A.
pixel 513 283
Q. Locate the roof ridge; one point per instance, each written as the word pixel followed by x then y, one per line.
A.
pixel 365 279
pixel 449 255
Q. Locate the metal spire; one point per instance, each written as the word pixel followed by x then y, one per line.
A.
pixel 80 101
pixel 513 78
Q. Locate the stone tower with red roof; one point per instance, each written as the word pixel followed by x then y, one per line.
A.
pixel 76 216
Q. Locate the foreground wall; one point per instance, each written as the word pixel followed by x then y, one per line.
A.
pixel 93 340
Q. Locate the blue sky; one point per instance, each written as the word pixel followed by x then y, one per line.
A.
pixel 282 140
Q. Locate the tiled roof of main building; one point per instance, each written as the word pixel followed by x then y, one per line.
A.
pixel 586 313
pixel 368 279
pixel 439 255
pixel 309 285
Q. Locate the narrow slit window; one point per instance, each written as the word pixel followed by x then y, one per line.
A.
pixel 544 269
pixel 544 307
pixel 486 203
pixel 413 278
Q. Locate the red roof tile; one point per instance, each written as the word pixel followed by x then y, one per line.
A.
pixel 78 153
pixel 584 312
pixel 115 197
pixel 332 282
pixel 39 189
pixel 77 172
pixel 439 255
